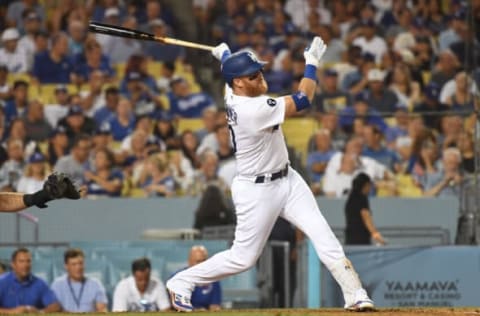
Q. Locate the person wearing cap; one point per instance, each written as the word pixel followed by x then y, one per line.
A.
pixel 380 98
pixel 110 16
pixel 331 99
pixel 35 174
pixel 17 105
pixel 184 103
pixel 93 59
pixel 102 138
pixel 431 108
pixel 163 53
pixel 138 65
pixel 374 147
pixel 367 39
pixel 165 130
pixel 360 109
pixel 141 93
pixel 33 25
pixel 106 110
pixel 58 110
pixel 54 66
pixel 13 56
pixel 76 123
pixel 57 145
pixel 16 8
pixel 36 126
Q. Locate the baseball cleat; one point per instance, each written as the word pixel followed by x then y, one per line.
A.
pixel 180 303
pixel 365 305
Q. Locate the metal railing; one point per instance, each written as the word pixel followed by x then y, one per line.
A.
pixel 30 218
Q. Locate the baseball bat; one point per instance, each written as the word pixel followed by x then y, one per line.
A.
pixel 119 31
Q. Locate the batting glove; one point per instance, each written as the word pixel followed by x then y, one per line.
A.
pixel 221 52
pixel 314 52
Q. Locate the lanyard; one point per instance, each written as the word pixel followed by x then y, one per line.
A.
pixel 80 293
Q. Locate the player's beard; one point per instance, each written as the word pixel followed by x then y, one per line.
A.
pixel 257 88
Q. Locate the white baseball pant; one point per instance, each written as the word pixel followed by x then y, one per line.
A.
pixel 257 207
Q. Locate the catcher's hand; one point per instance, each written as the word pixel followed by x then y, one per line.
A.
pixel 59 185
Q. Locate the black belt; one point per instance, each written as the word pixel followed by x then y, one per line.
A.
pixel 274 176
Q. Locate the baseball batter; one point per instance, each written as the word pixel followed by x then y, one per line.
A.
pixel 265 186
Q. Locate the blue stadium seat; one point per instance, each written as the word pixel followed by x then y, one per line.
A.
pixel 43 268
pixel 6 253
pixel 241 288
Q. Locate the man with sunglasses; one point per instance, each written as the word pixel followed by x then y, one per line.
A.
pixel 265 186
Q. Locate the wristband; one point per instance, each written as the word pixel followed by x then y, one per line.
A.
pixel 310 72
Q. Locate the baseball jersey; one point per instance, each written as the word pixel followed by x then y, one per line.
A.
pixel 256 136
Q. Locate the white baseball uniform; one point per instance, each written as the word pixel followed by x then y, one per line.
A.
pixel 260 147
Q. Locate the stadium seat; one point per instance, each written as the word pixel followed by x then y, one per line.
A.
pixel 297 132
pixel 6 253
pixel 43 268
pixel 190 124
pixel 241 289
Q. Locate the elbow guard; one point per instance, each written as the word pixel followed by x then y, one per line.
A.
pixel 301 101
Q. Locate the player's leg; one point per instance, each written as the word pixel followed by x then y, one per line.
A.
pixel 257 207
pixel 302 210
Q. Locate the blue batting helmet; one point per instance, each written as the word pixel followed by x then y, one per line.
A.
pixel 240 64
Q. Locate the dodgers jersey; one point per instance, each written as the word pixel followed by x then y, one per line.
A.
pixel 256 136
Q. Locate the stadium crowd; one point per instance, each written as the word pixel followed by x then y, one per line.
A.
pixel 397 98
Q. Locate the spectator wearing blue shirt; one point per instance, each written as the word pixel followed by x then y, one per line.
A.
pixel 93 59
pixel 185 104
pixel 107 111
pixel 163 53
pixel 400 128
pixel 122 123
pixel 204 297
pixel 375 149
pixel 156 179
pixel 317 161
pixel 104 180
pixel 143 97
pixel 17 105
pixel 22 292
pixel 360 109
pixel 331 99
pixel 138 64
pixel 54 66
pixel 75 292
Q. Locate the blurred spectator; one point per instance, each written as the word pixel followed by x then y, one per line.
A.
pixel 35 174
pixel 277 72
pixel 140 291
pixel 138 64
pixel 11 54
pixel 401 20
pixel 76 292
pixel 54 66
pixel 339 184
pixel 103 179
pixel 450 35
pixel 135 154
pixel 466 146
pixel 300 10
pixel 12 169
pixel 462 100
pixel 156 179
pixel 36 126
pixel 445 68
pixel 467 43
pixel 123 121
pixel 431 109
pixel 317 160
pixel 5 92
pixel 452 127
pixel 399 128
pixel 55 112
pixel 425 150
pixel 165 77
pixel 330 121
pixel 185 104
pixel 164 129
pixel 155 10
pixel 33 25
pixel 110 15
pixel 77 34
pixel 17 105
pixel 17 130
pixel 16 9
pixel 208 174
pixel 365 37
pixel 380 98
pixel 163 53
pixel 181 169
pixel 227 167
pixel 93 98
pixel 143 123
pixel 360 109
pixel 331 99
pixel 93 59
pixel 143 97
pixel 76 163
pixel 446 182
pixel 335 47
pixel 107 110
pixel 76 123
pixel 209 120
pixel 407 90
pixel 360 227
pixel 22 292
pixel 102 138
pixel 41 43
pixel 120 49
pixel 57 145
pixel 356 80
pixel 204 297
pixel 189 145
pixel 405 160
pixel 375 149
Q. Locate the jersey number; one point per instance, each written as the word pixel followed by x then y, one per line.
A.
pixel 234 142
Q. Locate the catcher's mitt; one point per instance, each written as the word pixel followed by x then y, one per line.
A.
pixel 59 185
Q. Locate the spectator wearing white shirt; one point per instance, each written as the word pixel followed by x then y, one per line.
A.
pixel 32 22
pixel 140 291
pixel 369 41
pixel 55 112
pixel 339 183
pixel 35 174
pixel 11 54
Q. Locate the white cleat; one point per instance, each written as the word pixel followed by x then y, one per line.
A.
pixel 364 305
